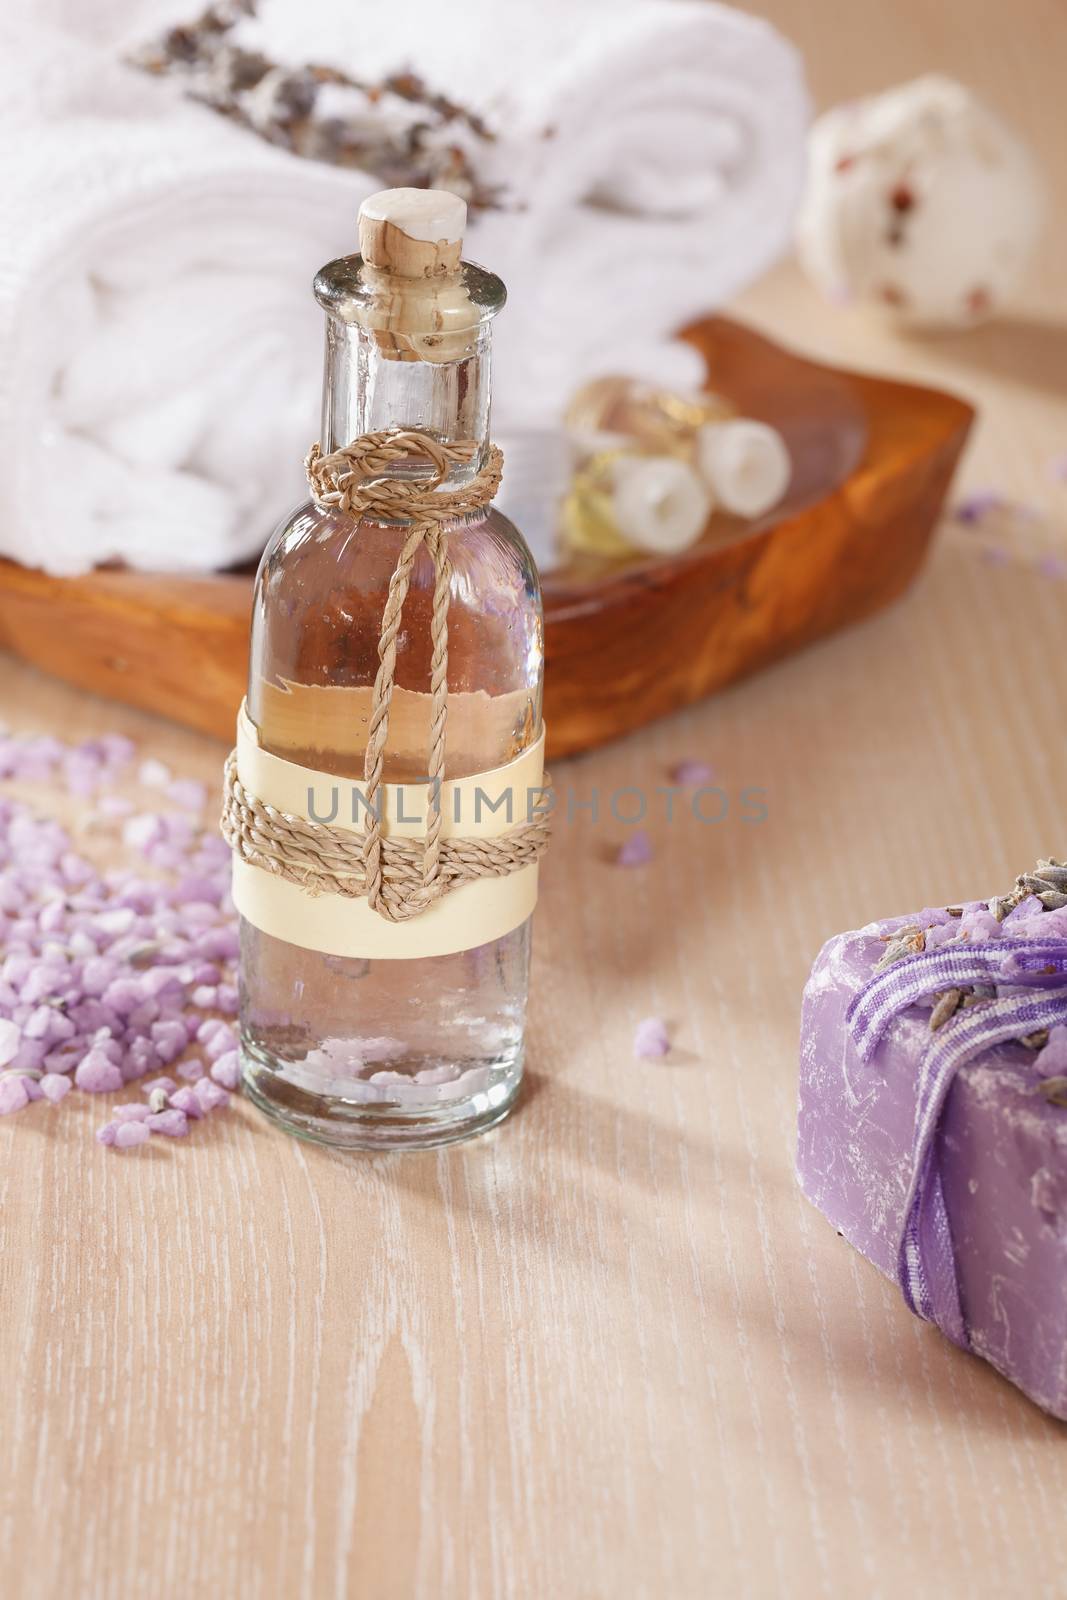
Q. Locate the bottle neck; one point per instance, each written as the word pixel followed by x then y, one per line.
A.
pixel 366 390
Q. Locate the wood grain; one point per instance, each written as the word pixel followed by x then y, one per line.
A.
pixel 623 644
pixel 607 1353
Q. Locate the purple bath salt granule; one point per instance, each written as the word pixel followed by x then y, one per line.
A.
pixel 134 1111
pixel 975 507
pixel 1051 1062
pixel 187 793
pixel 220 1043
pixel 173 1123
pixel 114 805
pixel 227 1070
pixel 651 1039
pixel 153 774
pixel 13 1094
pixel 192 1071
pixel 636 851
pixel 227 999
pixel 185 1100
pixel 97 1074
pixel 130 1134
pixel 54 1085
pixel 106 1134
pixel 212 1096
pixel 29 1056
pixel 691 774
pixel 10 1039
pixel 170 1037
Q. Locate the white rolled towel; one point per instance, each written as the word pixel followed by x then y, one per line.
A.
pixel 159 346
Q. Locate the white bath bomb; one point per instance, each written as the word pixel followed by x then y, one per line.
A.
pixel 919 201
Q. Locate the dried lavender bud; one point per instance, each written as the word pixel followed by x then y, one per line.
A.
pixel 945 1006
pixel 904 942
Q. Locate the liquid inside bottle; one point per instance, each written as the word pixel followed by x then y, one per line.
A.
pixel 387 1053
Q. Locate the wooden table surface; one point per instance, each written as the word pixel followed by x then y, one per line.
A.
pixel 608 1350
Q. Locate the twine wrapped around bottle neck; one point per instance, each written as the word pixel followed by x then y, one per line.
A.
pixel 354 479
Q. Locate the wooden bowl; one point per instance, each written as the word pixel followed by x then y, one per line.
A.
pixel 625 643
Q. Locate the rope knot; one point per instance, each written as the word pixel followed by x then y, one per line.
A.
pixel 358 478
pixel 361 479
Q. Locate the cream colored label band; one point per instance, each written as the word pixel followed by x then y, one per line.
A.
pixel 483 806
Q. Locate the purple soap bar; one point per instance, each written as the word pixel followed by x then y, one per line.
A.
pixel 1001 1149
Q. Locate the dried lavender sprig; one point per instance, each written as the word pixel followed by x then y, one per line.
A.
pixel 283 106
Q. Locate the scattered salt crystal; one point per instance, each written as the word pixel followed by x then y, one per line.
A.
pixel 106 1134
pixel 66 1058
pixel 690 774
pixel 153 774
pixel 1051 1062
pixel 167 1085
pixel 204 996
pixel 211 1095
pixel 651 1038
pixel 170 1037
pixel 28 1057
pixel 187 793
pixel 191 1071
pixel 134 1111
pixel 40 984
pixel 118 750
pixel 130 1134
pixel 219 944
pixel 97 1074
pixel 185 1100
pixel 636 851
pixel 143 831
pixel 54 1086
pixel 227 998
pixel 975 507
pixel 10 1038
pixel 143 1016
pixel 124 995
pixel 114 805
pixel 172 1122
pixel 220 1043
pixel 227 1070
pixel 13 1095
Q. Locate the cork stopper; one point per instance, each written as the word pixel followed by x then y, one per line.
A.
pixel 413 233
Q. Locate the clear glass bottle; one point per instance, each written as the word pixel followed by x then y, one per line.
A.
pixel 398 1052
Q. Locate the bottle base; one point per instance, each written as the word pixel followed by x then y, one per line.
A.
pixel 348 1124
